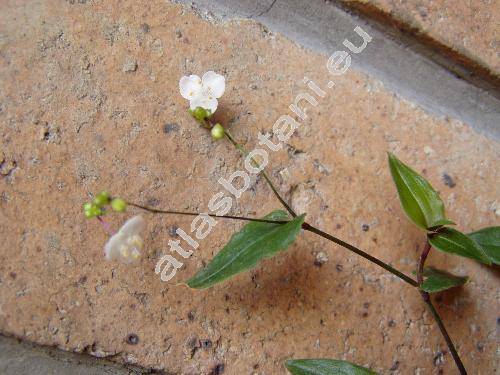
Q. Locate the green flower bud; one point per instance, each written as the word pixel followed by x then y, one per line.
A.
pixel 97 211
pixel 217 132
pixel 91 210
pixel 200 113
pixel 119 205
pixel 89 214
pixel 101 199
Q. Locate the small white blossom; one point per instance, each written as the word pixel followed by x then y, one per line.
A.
pixel 203 92
pixel 126 245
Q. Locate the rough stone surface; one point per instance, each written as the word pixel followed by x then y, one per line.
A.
pixel 421 77
pixel 21 358
pixel 73 123
pixel 469 27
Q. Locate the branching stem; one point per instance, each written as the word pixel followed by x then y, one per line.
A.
pixel 354 249
pixel 242 150
pixel 427 299
pixel 172 212
pixel 360 252
pixel 421 262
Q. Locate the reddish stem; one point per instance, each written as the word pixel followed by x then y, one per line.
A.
pixel 106 226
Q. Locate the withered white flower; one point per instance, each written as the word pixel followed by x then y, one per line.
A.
pixel 203 92
pixel 127 243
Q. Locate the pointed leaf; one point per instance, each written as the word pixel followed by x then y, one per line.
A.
pixel 256 241
pixel 452 241
pixel 441 223
pixel 325 367
pixel 420 201
pixel 489 240
pixel 437 280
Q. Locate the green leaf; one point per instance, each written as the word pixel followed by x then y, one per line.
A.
pixel 441 223
pixel 325 367
pixel 420 201
pixel 256 241
pixel 489 240
pixel 452 241
pixel 437 280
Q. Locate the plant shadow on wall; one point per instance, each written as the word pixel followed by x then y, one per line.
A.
pixel 268 236
pixel 282 283
pixel 494 270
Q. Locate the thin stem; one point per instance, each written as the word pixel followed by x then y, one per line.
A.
pixel 206 123
pixel 421 262
pixel 402 276
pixel 241 149
pixel 105 225
pixel 305 226
pixel 447 337
pixel 171 212
pixel 427 299
pixel 360 252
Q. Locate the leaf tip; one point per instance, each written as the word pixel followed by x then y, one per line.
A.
pixel 192 283
pixel 290 365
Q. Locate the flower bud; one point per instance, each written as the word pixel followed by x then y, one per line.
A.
pixel 217 132
pixel 91 210
pixel 119 205
pixel 200 113
pixel 101 199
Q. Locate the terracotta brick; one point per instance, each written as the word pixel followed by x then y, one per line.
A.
pixel 469 28
pixel 62 70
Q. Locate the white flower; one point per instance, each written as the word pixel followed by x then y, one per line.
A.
pixel 203 92
pixel 126 245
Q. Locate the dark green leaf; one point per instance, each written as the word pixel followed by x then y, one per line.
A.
pixel 452 241
pixel 325 367
pixel 489 240
pixel 420 201
pixel 256 241
pixel 436 280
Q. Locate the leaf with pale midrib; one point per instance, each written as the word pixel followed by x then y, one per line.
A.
pixel 489 240
pixel 254 242
pixel 325 367
pixel 437 280
pixel 418 198
pixel 453 241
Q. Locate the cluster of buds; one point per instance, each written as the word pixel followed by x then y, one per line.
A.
pixel 203 115
pixel 97 207
pixel 126 244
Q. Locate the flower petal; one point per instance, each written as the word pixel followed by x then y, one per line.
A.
pixel 204 102
pixel 112 247
pixel 214 83
pixel 133 255
pixel 190 86
pixel 133 226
